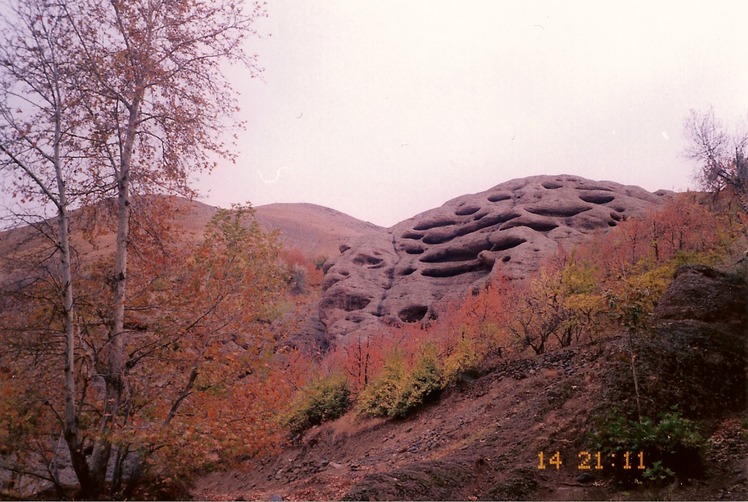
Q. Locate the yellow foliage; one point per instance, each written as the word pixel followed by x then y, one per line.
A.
pixel 462 359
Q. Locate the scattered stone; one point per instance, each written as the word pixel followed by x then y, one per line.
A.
pixel 585 478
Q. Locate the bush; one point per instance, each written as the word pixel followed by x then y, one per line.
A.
pixel 462 361
pixel 397 391
pixel 380 396
pixel 423 382
pixel 325 398
pixel 319 262
pixel 672 446
pixel 298 280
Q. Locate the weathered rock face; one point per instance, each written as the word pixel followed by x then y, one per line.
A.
pixel 402 274
pixel 696 354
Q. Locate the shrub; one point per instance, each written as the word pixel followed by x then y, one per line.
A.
pixel 671 446
pixel 325 398
pixel 463 360
pixel 397 390
pixel 423 382
pixel 319 262
pixel 298 280
pixel 380 396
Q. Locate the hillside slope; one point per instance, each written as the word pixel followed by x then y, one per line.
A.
pixel 316 231
pixel 481 439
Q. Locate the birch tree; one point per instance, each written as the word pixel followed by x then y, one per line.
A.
pixel 113 99
pixel 39 154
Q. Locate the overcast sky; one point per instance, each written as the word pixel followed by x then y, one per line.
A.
pixel 383 109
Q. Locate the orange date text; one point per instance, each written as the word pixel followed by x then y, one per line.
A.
pixel 594 460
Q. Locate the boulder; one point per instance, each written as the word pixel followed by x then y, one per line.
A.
pixel 407 273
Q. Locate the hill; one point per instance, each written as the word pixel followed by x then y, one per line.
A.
pixel 481 440
pixel 408 272
pixel 491 431
pixel 316 231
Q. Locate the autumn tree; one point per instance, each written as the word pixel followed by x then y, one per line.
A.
pixel 196 364
pixel 721 156
pixel 127 105
pixel 482 315
pixel 40 153
pixel 195 373
pixel 539 312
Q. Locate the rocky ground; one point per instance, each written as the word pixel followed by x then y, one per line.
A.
pixel 481 439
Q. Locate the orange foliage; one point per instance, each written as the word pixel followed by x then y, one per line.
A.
pixel 476 321
pixel 204 382
pixel 199 384
pixel 684 226
pixel 302 269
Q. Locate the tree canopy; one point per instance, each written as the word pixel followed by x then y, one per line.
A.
pixel 110 101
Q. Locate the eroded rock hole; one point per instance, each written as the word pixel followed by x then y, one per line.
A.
pixel 454 270
pixel 412 235
pixel 347 302
pixel 560 211
pixel 599 188
pixel 463 253
pixel 498 197
pixel 368 261
pixel 413 313
pixel 494 219
pixel 438 238
pixel 467 210
pixel 355 302
pixel 537 225
pixel 407 271
pixel 508 242
pixel 597 198
pixel 436 223
pixel 551 185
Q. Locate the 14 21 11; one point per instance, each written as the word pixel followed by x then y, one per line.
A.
pixel 595 460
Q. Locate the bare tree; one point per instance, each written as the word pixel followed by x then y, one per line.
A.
pixel 110 100
pixel 721 156
pixel 38 149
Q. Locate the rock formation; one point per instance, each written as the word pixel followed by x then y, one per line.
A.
pixel 401 275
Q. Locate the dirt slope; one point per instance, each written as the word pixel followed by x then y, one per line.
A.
pixel 481 439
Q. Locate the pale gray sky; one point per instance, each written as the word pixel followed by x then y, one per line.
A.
pixel 383 109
